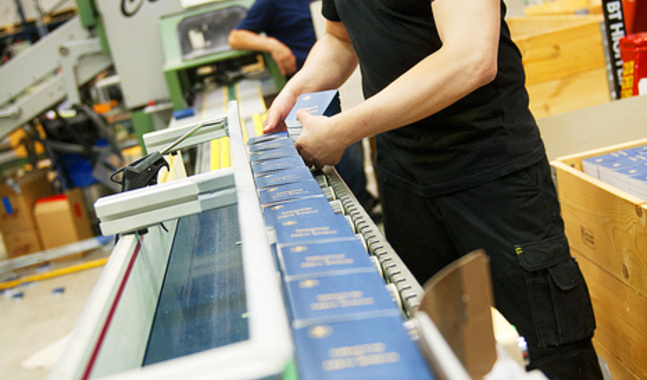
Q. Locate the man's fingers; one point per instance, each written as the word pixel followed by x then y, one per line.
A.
pixel 303 115
pixel 309 161
pixel 282 68
pixel 292 65
pixel 287 66
pixel 275 127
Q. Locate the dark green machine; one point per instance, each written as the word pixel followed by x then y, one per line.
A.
pixel 194 46
pixel 196 49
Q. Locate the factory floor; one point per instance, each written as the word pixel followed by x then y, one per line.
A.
pixel 35 318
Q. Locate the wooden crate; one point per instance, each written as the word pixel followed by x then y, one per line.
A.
pixel 621 316
pixel 607 232
pixel 563 57
pixel 565 7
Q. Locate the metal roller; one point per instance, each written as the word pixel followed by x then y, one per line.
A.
pixel 337 207
pixel 329 193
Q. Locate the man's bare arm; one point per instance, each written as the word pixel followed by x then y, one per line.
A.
pixel 246 40
pixel 469 30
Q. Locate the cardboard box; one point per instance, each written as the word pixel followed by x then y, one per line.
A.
pixel 16 213
pixel 62 219
pixel 607 232
pixel 22 243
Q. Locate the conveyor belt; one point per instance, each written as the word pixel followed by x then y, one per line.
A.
pixel 202 303
pixel 212 103
pixel 211 320
pixel 395 271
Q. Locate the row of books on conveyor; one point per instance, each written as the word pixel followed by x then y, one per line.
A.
pixel 345 323
pixel 625 169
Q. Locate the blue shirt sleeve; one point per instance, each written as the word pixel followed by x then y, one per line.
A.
pixel 258 17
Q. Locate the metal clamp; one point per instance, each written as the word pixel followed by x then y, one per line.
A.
pixel 12 112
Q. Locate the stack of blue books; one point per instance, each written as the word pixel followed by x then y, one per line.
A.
pixel 625 169
pixel 346 325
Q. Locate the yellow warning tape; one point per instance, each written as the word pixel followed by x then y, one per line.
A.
pixel 215 157
pixel 260 95
pixel 220 148
pixel 258 123
pixel 225 152
pixel 53 273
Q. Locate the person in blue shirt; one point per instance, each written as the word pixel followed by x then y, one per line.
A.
pixel 282 28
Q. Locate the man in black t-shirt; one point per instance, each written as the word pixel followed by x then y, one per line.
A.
pixel 460 162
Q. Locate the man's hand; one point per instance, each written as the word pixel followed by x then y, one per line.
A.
pixel 283 57
pixel 281 107
pixel 246 40
pixel 330 62
pixel 316 144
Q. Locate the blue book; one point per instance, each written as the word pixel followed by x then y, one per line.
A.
pixel 284 177
pixel 267 137
pixel 312 229
pixel 633 180
pixel 608 170
pixel 591 166
pixel 377 348
pixel 283 193
pixel 323 103
pixel 337 298
pixel 269 145
pixel 642 150
pixel 327 258
pixel 288 151
pixel 269 166
pixel 300 208
pixel 637 156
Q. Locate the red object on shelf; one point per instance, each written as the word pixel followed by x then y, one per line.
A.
pixel 628 10
pixel 633 52
pixel 635 15
pixel 639 16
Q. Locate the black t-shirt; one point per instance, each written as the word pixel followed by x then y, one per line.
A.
pixel 486 135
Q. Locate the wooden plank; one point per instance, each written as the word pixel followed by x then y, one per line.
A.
pixel 604 224
pixel 558 7
pixel 616 368
pixel 524 27
pixel 621 316
pixel 562 52
pixel 567 94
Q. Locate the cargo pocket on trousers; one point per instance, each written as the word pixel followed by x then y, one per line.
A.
pixel 559 298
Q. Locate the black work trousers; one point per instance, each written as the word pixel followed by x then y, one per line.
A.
pixel 537 285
